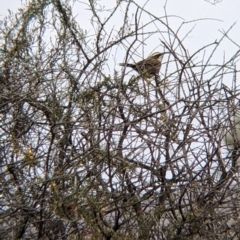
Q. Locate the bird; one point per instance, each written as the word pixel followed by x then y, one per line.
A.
pixel 147 67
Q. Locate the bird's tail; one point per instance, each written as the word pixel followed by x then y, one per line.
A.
pixel 127 65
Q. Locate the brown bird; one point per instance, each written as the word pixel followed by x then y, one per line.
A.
pixel 148 67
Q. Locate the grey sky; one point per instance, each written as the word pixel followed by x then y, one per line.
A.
pixel 216 17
